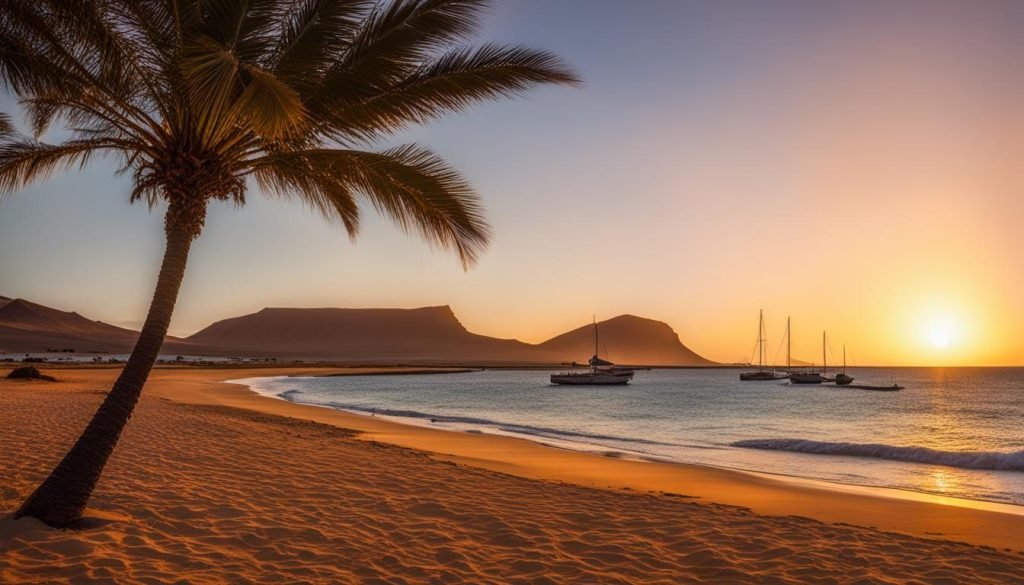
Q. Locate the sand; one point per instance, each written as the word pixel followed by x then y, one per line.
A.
pixel 213 484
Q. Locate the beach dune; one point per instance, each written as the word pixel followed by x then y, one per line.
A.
pixel 208 493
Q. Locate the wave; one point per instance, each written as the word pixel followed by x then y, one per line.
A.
pixel 990 460
pixel 537 431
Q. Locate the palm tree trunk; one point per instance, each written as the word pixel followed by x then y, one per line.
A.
pixel 62 497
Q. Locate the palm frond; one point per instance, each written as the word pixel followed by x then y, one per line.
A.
pixel 409 185
pixel 417 190
pixel 395 38
pixel 26 69
pixel 23 162
pixel 313 35
pixel 211 72
pixel 274 109
pixel 452 82
pixel 66 59
pixel 298 178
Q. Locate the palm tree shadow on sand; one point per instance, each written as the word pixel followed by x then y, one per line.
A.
pixel 196 98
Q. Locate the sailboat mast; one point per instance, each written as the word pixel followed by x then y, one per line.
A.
pixel 760 342
pixel 844 359
pixel 824 360
pixel 789 345
pixel 595 336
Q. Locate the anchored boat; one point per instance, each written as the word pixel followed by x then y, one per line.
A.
pixel 602 372
pixel 812 377
pixel 761 375
pixel 806 378
pixel 843 379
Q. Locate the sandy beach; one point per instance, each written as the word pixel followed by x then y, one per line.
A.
pixel 213 483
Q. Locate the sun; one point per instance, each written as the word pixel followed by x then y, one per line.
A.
pixel 941 332
pixel 944 333
pixel 940 339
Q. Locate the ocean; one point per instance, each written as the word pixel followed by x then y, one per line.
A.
pixel 953 431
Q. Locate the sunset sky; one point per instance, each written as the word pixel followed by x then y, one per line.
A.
pixel 856 165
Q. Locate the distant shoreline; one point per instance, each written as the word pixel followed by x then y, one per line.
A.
pixel 439 367
pixel 403 372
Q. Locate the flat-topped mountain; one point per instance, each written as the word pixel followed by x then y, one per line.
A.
pixel 428 334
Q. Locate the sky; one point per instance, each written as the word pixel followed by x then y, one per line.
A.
pixel 853 165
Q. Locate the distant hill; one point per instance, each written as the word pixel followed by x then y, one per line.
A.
pixel 30 327
pixel 626 339
pixel 797 363
pixel 428 334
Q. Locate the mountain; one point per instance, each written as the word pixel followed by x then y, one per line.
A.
pixel 433 334
pixel 29 327
pixel 626 339
pixel 428 333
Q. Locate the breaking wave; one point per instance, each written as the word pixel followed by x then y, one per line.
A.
pixel 990 460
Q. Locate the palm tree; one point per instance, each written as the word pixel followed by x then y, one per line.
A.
pixel 195 97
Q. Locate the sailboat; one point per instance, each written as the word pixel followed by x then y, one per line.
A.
pixel 602 372
pixel 812 377
pixel 843 379
pixel 761 374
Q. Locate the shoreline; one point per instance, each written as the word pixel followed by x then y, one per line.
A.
pixel 625 454
pixel 918 514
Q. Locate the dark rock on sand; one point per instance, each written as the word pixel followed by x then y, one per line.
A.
pixel 29 373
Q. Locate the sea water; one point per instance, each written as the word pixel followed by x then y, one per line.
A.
pixel 953 431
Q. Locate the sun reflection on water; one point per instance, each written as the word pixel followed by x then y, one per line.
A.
pixel 947 481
